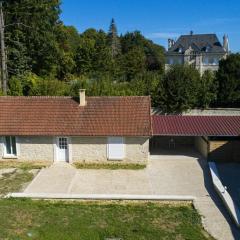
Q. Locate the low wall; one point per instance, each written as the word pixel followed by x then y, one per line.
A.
pixel 203 112
pixel 223 193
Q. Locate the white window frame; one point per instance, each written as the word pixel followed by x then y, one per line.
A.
pixel 11 156
pixel 124 148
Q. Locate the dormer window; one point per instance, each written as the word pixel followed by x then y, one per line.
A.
pixel 207 48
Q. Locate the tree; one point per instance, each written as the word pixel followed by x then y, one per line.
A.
pixel 113 39
pixel 181 87
pixel 50 87
pixel 155 57
pixel 31 37
pixel 23 84
pixel 154 53
pixel 207 90
pixel 93 54
pixel 228 78
pixel 69 38
pixel 84 56
pixel 15 87
pixel 146 84
pixel 45 56
pixel 134 62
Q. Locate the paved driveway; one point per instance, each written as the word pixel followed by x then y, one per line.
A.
pixel 165 175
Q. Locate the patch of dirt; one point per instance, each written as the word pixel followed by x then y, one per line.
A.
pixel 6 171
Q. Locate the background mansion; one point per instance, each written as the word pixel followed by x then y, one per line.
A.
pixel 203 51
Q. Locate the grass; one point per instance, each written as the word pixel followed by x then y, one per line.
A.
pixel 12 182
pixel 22 165
pixel 28 219
pixel 111 166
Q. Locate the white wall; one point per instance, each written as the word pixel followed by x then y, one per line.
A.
pixel 202 146
pixel 83 149
pixel 94 149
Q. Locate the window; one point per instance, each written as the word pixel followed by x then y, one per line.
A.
pixel 63 144
pixel 207 48
pixel 206 61
pixel 211 60
pixel 10 146
pixel 170 61
pixel 180 61
pixel 215 61
pixel 115 148
pixel 192 55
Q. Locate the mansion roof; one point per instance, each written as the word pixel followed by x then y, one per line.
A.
pixel 198 42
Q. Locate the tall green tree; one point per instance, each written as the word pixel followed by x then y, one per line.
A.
pixel 154 53
pixel 207 90
pixel 134 62
pixel 181 87
pixel 84 56
pixel 32 35
pixel 113 39
pixel 147 84
pixel 228 78
pixel 93 54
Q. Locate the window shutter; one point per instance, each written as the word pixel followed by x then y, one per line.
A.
pixel 116 150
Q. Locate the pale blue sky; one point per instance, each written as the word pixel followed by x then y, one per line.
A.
pixel 157 19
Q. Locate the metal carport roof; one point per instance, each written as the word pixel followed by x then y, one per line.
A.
pixel 179 125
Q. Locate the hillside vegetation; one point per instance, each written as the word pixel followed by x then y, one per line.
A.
pixel 45 57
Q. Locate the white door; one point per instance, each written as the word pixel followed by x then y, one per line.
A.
pixel 116 149
pixel 62 149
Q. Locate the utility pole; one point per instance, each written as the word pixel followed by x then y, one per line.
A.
pixel 4 80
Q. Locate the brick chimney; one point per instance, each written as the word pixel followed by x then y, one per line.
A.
pixel 82 98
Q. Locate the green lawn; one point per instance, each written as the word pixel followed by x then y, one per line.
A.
pixel 111 166
pixel 13 182
pixel 27 219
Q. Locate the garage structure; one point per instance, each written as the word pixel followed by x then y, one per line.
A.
pixel 217 138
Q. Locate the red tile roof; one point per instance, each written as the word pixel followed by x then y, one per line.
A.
pixel 52 116
pixel 196 125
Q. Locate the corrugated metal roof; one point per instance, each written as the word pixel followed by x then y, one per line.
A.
pixel 176 125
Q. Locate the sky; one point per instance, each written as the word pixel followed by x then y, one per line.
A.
pixel 158 20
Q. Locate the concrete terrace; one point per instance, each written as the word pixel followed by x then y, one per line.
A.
pixel 169 175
